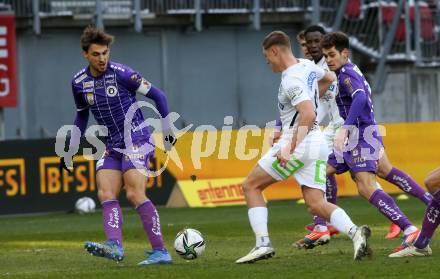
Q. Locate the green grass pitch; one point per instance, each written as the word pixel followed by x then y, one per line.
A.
pixel 51 246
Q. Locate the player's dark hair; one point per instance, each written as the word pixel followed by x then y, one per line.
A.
pixel 314 28
pixel 94 35
pixel 339 40
pixel 276 38
pixel 301 36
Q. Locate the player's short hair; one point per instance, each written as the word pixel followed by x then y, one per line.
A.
pixel 339 40
pixel 94 35
pixel 314 28
pixel 276 38
pixel 301 36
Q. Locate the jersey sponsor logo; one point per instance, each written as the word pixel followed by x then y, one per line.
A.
pixel 88 84
pixel 99 84
pixel 347 83
pixel 117 68
pixel 311 78
pixel 111 91
pixel 294 92
pixel 90 98
pixel 81 78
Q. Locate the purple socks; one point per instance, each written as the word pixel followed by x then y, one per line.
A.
pixel 112 221
pixel 431 221
pixel 408 185
pixel 388 207
pixel 150 221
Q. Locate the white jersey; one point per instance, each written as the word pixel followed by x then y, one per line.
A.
pixel 298 83
pixel 327 103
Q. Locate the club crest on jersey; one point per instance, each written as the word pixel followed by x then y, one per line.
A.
pixel 347 82
pixel 90 98
pixel 111 91
pixel 88 84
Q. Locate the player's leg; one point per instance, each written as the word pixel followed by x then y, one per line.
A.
pixel 366 184
pixel 319 223
pixel 109 183
pixel 401 179
pixel 317 204
pixel 431 221
pixel 253 186
pixel 135 178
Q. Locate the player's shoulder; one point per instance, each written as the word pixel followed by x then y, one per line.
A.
pixel 349 70
pixel 79 76
pixel 119 67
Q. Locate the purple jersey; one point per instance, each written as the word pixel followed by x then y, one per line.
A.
pixel 351 81
pixel 109 96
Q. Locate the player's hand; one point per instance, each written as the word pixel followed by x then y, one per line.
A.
pixel 169 140
pixel 341 139
pixel 274 137
pixel 63 165
pixel 283 155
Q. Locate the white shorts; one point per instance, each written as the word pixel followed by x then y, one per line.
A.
pixel 329 133
pixel 307 164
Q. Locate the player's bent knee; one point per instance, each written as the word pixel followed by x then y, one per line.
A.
pixel 432 184
pixel 135 197
pixel 105 194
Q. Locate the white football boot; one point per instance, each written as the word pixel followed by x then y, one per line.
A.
pixel 256 254
pixel 360 242
pixel 411 251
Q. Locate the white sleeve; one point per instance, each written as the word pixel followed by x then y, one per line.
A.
pixel 320 72
pixel 296 91
pixel 144 87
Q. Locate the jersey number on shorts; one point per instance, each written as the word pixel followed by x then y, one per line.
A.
pixel 291 167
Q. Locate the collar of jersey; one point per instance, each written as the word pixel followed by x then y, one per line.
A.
pixel 101 75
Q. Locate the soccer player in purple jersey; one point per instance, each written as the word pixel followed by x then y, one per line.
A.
pixel 431 220
pixel 313 36
pixel 358 144
pixel 108 90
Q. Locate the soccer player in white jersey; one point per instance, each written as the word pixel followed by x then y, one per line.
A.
pixel 320 230
pixel 301 150
pixel 328 107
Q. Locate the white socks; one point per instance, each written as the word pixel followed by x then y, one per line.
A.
pixel 409 230
pixel 258 220
pixel 342 222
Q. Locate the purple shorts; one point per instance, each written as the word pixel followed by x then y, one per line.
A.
pixel 363 158
pixel 133 158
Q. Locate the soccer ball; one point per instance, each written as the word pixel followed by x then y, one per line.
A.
pixel 85 205
pixel 189 244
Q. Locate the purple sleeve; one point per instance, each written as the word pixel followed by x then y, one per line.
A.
pixel 356 108
pixel 159 97
pixel 81 119
pixel 79 101
pixel 132 80
pixel 278 124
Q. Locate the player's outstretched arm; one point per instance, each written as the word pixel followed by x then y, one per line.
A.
pixel 81 119
pixel 160 99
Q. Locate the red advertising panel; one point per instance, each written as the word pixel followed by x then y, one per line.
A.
pixel 8 73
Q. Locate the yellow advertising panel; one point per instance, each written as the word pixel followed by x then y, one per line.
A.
pixel 213 154
pixel 213 192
